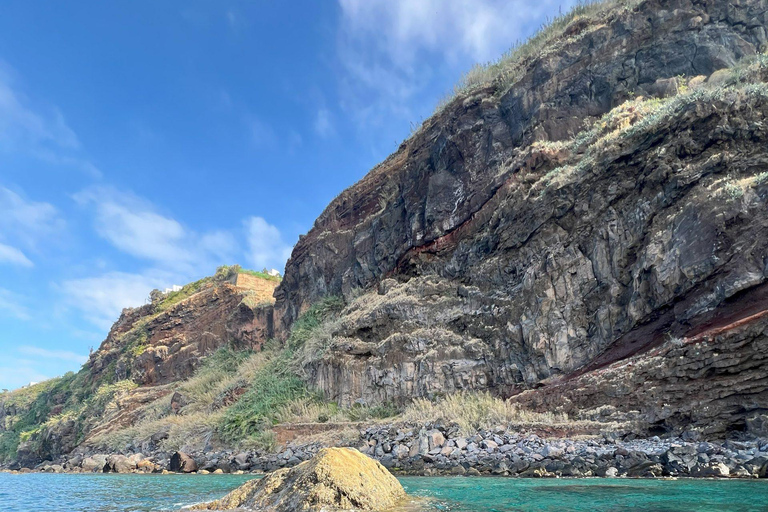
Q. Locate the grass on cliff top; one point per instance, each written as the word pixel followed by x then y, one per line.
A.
pixel 507 69
pixel 223 273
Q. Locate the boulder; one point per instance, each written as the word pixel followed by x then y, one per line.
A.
pixel 94 463
pixel 713 469
pixel 334 479
pixel 147 466
pixel 435 439
pixel 119 464
pixel 182 463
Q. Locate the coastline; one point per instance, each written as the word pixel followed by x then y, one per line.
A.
pixel 433 449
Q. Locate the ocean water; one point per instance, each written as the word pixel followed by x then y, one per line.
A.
pixel 144 493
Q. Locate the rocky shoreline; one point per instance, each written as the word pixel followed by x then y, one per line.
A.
pixel 434 449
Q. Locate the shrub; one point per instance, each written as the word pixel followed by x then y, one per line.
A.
pixel 473 411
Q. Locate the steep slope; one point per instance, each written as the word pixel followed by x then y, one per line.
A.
pixel 547 223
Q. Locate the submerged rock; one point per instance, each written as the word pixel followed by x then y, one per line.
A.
pixel 334 479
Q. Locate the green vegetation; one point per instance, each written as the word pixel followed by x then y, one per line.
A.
pixel 42 407
pixel 173 298
pixel 277 385
pixel 255 412
pixel 226 272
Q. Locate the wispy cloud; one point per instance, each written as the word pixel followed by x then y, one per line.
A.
pixel 266 245
pixel 63 355
pixel 236 21
pixel 100 299
pixel 27 221
pixel 12 304
pixel 13 256
pixel 40 131
pixel 19 373
pixel 262 134
pixel 323 123
pixel 24 224
pixel 176 253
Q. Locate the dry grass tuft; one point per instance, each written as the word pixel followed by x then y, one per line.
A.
pixel 476 411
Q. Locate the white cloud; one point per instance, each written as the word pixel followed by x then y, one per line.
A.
pixel 236 21
pixel 177 254
pixel 13 256
pixel 101 298
pixel 27 221
pixel 11 304
pixel 134 226
pixel 323 124
pixel 266 245
pixel 391 49
pixel 20 125
pixel 63 355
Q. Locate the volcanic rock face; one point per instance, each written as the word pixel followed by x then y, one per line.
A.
pixel 496 249
pixel 334 479
pixel 151 347
pixel 446 173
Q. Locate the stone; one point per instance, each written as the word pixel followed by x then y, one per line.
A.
pixel 435 439
pixel 147 466
pixel 458 470
pixel 611 472
pixel 400 451
pixel 646 469
pixel 94 463
pixel 335 478
pixel 119 464
pixel 182 463
pixel 713 469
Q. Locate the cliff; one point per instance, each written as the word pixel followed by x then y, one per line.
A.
pixel 591 200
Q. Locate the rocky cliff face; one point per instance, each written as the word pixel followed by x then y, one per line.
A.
pixel 550 227
pixel 164 341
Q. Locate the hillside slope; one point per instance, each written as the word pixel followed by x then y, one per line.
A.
pixel 135 375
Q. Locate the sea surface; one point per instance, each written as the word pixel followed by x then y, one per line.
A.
pixel 144 493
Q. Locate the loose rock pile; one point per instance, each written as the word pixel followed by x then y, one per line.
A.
pixel 437 449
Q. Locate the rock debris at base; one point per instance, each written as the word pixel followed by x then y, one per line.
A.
pixel 435 449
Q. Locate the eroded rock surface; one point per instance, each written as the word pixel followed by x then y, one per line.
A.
pixel 334 479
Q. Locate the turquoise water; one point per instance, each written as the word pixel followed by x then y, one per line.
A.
pixel 145 493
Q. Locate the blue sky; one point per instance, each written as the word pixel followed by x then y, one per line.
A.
pixel 144 143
